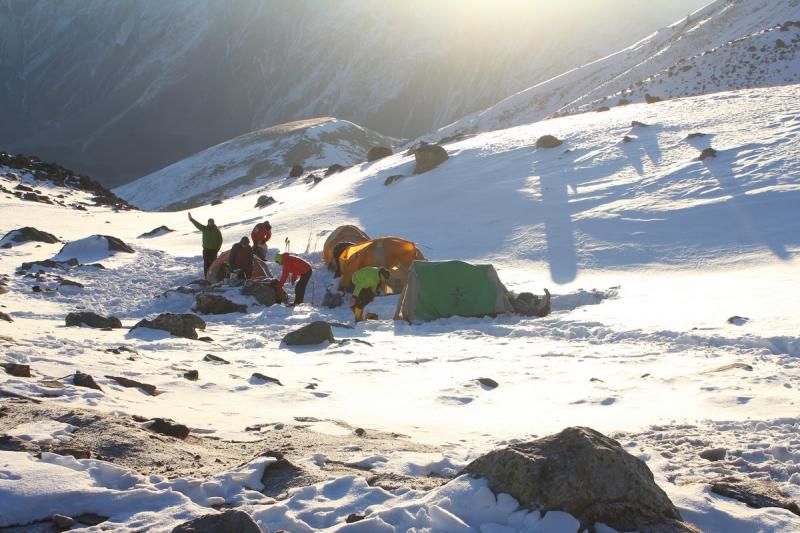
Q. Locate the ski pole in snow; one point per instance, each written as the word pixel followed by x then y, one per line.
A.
pixel 313 291
pixel 286 243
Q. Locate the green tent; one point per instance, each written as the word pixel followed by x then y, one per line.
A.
pixel 439 289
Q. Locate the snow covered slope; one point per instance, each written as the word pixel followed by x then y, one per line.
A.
pixel 673 246
pixel 709 51
pixel 251 161
pixel 121 89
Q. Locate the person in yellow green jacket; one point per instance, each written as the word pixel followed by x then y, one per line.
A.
pixel 212 241
pixel 366 283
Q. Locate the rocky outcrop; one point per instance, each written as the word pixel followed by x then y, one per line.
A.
pixel 229 521
pixel 378 152
pixel 93 320
pixel 28 234
pixel 428 157
pixel 214 304
pixel 180 325
pixel 584 473
pixel 310 334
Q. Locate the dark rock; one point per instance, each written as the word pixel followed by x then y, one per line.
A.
pixel 211 358
pixel 650 99
pixel 261 377
pixel 779 43
pixel 489 383
pixel 90 519
pixel 714 454
pixel 637 124
pixel 627 139
pixel 360 432
pixel 315 179
pixel 79 379
pixel 754 493
pixel 133 384
pixel 23 188
pixel 180 325
pixel 117 245
pixel 49 263
pixel 623 101
pixel 737 320
pixel 603 109
pixel 296 171
pixel 33 197
pixel 707 153
pixel 529 304
pixel 213 304
pixel 732 366
pixel 77 453
pixel 15 444
pixel 584 473
pixel 334 169
pixel 332 299
pixel 159 231
pixel 548 141
pixel 353 517
pixel 28 234
pixel 428 157
pixel 392 179
pixel 264 201
pixel 62 522
pixel 314 333
pixel 6 317
pixel 168 427
pixel 695 135
pixel 63 282
pixel 228 521
pixel 93 320
pixel 266 292
pixel 192 375
pixel 216 202
pixel 17 370
pixel 378 152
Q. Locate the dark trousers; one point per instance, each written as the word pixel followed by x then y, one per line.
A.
pixel 300 288
pixel 209 256
pixel 361 301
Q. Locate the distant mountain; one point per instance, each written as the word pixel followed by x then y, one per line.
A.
pixel 730 44
pixel 119 89
pixel 252 160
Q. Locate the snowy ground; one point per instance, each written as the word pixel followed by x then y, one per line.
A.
pixel 647 251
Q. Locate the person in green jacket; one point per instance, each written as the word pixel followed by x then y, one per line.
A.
pixel 212 242
pixel 366 283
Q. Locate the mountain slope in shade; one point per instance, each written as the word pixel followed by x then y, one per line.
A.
pixel 252 160
pixel 722 34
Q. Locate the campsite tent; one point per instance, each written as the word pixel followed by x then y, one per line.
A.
pixel 216 271
pixel 346 233
pixel 391 252
pixel 439 289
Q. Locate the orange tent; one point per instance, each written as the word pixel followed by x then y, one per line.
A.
pixel 390 252
pixel 346 233
pixel 216 272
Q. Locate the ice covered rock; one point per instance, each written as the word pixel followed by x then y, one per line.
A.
pixel 229 521
pixel 314 333
pixel 28 234
pixel 378 152
pixel 93 248
pixel 180 325
pixel 214 304
pixel 548 141
pixel 584 473
pixel 428 157
pixel 93 320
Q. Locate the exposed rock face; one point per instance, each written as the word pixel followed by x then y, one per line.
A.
pixel 548 141
pixel 28 234
pixel 93 320
pixel 296 171
pixel 428 157
pixel 85 380
pixel 214 304
pixel 378 152
pixel 229 521
pixel 180 325
pixel 314 333
pixel 584 473
pixel 117 245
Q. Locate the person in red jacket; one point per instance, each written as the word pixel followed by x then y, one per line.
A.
pixel 262 232
pixel 297 268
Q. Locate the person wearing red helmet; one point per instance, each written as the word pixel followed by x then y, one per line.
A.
pixel 296 268
pixel 262 232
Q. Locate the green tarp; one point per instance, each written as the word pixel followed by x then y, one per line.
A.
pixel 439 289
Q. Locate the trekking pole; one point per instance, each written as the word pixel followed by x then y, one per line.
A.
pixel 313 291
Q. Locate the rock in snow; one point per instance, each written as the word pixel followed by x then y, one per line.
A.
pixel 229 521
pixel 428 157
pixel 28 234
pixel 157 232
pixel 582 472
pixel 548 141
pixel 378 152
pixel 214 304
pixel 180 325
pixel 93 320
pixel 314 333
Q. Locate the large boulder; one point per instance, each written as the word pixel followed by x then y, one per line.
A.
pixel 180 325
pixel 584 473
pixel 229 521
pixel 378 152
pixel 214 304
pixel 266 292
pixel 428 157
pixel 92 248
pixel 548 141
pixel 28 234
pixel 265 201
pixel 93 320
pixel 314 333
